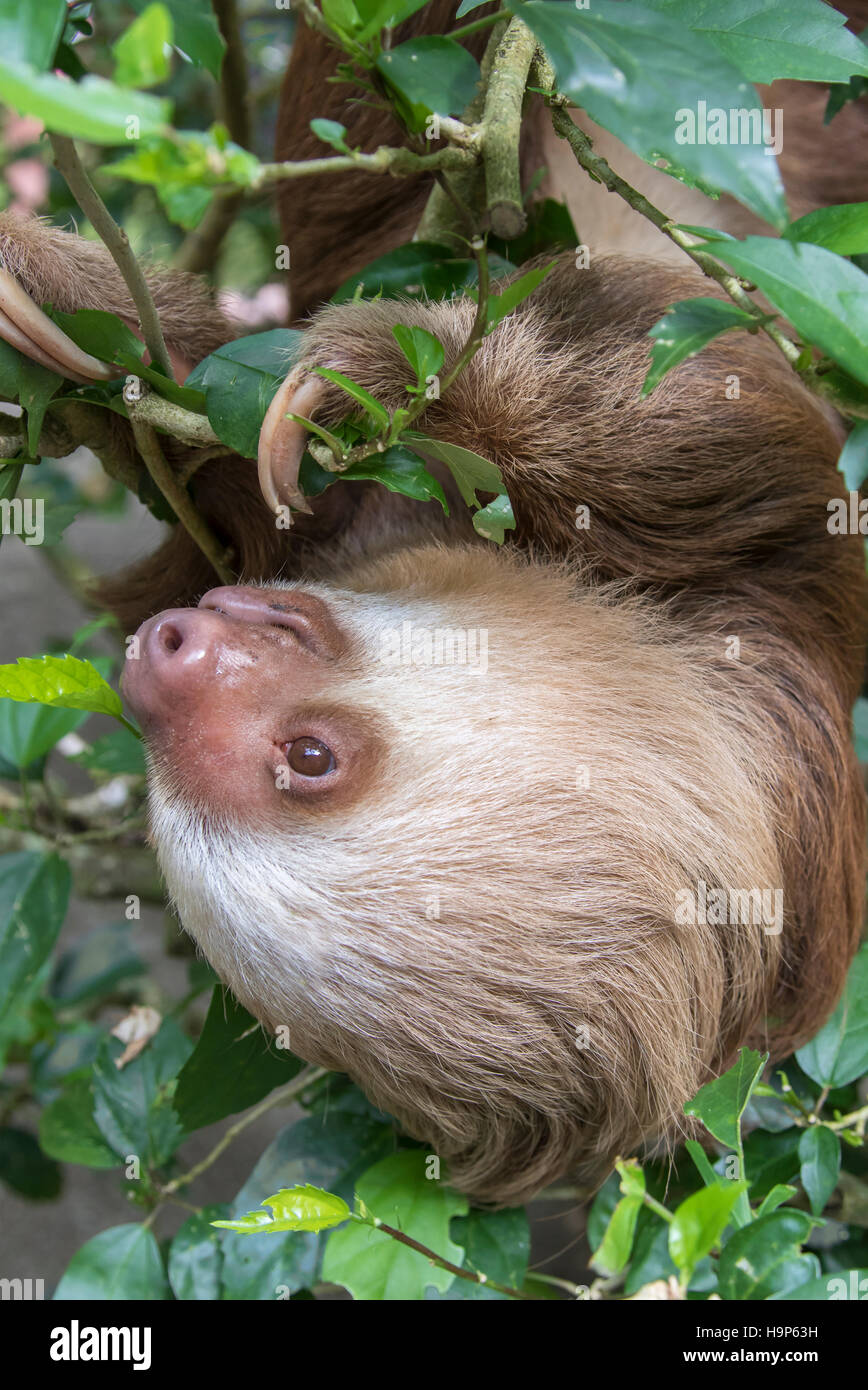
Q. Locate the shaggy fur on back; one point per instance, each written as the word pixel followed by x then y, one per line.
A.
pixel 552 1011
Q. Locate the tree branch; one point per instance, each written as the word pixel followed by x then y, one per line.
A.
pixel 385 160
pixel 501 122
pixel 116 240
pixel 600 169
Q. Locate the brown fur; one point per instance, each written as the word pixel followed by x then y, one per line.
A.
pixel 707 520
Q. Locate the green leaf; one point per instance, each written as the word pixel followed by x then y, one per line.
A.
pixel 771 39
pixel 699 1222
pixel 720 1104
pixel 117 754
pixel 500 305
pixel 770 1159
pixel 492 522
pixel 331 133
pixel 549 228
pixel 233 1065
pixel 342 16
pixel 382 14
pixel 422 350
pixel 471 471
pixel 63 681
pixel 641 75
pixel 839 1052
pixel 196 33
pixel 329 1150
pixel 820 1155
pixel 92 109
pixel 25 1168
pixel 239 381
pixel 614 1252
pixel 779 1194
pixel 36 386
pixel 764 1258
pixel 378 413
pixel 824 296
pixel 30 33
pixel 101 334
pixel 843 229
pixel 700 1159
pixel 196 1256
pixel 400 470
pixel 68 1131
pixel 34 893
pixel 685 329
pixel 121 1264
pixel 431 73
pixel 140 52
pixel 27 732
pixel 95 964
pixel 304 1208
pixel 853 462
pixel 420 270
pixel 65 1057
pixel 183 169
pixel 371 1264
pixel 832 1287
pixel 496 1244
pixel 133 1105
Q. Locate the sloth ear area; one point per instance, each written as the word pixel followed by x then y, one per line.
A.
pixel 24 326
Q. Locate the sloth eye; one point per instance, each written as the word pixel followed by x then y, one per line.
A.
pixel 309 757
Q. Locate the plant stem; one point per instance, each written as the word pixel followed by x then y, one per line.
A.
pixel 467 1274
pixel 116 240
pixel 465 30
pixel 177 496
pixel 857 1118
pixel 657 1207
pixel 282 1096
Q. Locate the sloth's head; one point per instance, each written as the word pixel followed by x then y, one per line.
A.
pixel 438 821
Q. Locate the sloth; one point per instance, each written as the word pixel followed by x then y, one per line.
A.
pixel 495 831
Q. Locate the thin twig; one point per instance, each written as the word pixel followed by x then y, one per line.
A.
pixel 385 160
pixel 465 30
pixel 116 240
pixel 177 496
pixel 467 1274
pixel 186 425
pixel 282 1096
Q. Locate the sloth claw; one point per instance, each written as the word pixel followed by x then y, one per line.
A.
pixel 282 442
pixel 24 326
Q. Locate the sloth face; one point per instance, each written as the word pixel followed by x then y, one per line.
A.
pixel 436 821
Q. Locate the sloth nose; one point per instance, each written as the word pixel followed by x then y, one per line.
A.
pixel 172 658
pixel 181 636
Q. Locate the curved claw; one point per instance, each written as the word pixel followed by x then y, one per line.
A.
pixel 27 328
pixel 282 442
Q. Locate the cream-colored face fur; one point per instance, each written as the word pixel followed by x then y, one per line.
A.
pixel 486 938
